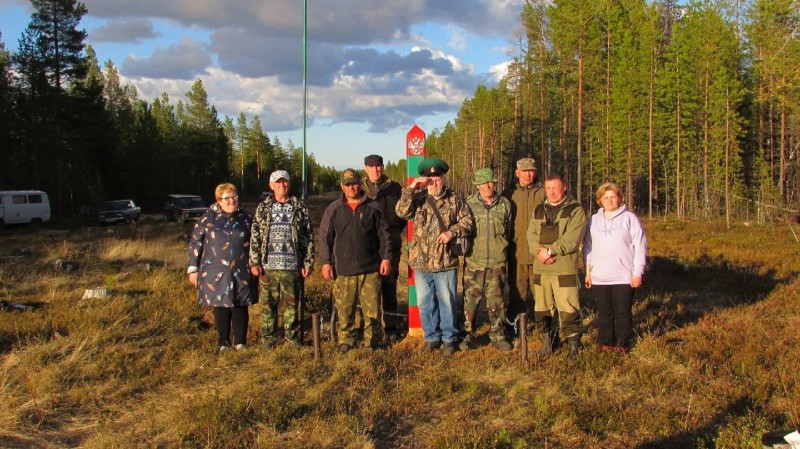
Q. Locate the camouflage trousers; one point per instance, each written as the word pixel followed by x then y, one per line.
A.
pixel 348 292
pixel 279 289
pixel 486 283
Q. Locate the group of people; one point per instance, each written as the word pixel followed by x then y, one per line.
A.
pixel 528 241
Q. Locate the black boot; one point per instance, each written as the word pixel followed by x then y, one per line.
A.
pixel 574 344
pixel 547 344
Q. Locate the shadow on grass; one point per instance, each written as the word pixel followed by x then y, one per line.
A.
pixel 676 293
pixel 705 435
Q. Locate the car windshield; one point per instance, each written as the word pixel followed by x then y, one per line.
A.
pixel 192 202
pixel 116 205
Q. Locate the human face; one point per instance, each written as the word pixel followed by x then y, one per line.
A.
pixel 610 201
pixel 526 177
pixel 351 191
pixel 280 189
pixel 374 172
pixel 555 191
pixel 435 185
pixel 486 190
pixel 229 202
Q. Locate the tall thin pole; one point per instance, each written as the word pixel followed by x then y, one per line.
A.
pixel 305 94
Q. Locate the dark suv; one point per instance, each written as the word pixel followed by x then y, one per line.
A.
pixel 181 208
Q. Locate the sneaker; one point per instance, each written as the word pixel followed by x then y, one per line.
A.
pixel 239 347
pixel 502 345
pixel 224 349
pixel 448 348
pixel 344 348
pixel 433 345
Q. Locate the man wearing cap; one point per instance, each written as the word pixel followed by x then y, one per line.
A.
pixel 281 254
pixel 485 271
pixel 354 251
pixel 525 194
pixel 382 189
pixel 435 269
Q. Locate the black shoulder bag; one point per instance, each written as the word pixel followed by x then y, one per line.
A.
pixel 458 246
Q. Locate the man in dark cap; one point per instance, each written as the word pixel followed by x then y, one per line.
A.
pixel 381 188
pixel 354 252
pixel 525 194
pixel 435 269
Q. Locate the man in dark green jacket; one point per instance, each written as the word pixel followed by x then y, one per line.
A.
pixel 554 237
pixel 525 194
pixel 485 271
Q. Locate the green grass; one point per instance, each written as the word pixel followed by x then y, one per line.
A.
pixel 714 365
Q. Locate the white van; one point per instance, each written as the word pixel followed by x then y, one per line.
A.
pixel 24 206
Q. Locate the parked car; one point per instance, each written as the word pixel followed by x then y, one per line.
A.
pixel 180 207
pixel 24 206
pixel 119 211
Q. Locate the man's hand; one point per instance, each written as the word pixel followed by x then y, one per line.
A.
pixel 542 256
pixel 305 272
pixel 327 272
pixel 255 271
pixel 385 268
pixel 444 237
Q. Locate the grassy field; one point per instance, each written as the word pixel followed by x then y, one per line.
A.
pixel 715 364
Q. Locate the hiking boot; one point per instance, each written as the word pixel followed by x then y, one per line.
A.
pixel 448 348
pixel 433 345
pixel 466 343
pixel 502 345
pixel 547 344
pixel 574 345
pixel 344 348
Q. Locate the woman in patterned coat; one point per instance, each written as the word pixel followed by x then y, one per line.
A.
pixel 218 253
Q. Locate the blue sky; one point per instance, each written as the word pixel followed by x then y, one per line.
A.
pixel 375 67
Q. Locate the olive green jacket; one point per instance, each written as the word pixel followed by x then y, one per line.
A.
pixel 490 241
pixel 566 248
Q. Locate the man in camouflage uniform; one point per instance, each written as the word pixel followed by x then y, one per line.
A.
pixel 485 271
pixel 435 269
pixel 355 251
pixel 525 194
pixel 281 254
pixel 377 186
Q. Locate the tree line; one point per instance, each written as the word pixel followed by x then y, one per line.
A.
pixel 72 129
pixel 693 108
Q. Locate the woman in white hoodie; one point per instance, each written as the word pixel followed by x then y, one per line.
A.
pixel 615 251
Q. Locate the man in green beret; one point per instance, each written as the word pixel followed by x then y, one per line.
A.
pixel 485 271
pixel 435 269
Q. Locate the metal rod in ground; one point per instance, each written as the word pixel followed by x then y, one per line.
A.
pixel 523 337
pixel 315 334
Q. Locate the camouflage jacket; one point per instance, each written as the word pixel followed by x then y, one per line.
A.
pixel 492 222
pixel 302 233
pixel 426 254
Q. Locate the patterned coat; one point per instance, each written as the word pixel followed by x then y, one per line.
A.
pixel 219 250
pixel 492 222
pixel 426 254
pixel 302 234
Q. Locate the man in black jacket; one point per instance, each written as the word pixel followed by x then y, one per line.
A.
pixel 377 186
pixel 354 252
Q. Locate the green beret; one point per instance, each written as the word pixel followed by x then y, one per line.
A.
pixel 432 167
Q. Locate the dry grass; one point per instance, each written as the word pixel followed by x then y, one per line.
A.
pixel 714 365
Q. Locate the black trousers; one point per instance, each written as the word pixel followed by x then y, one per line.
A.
pixel 223 317
pixel 614 314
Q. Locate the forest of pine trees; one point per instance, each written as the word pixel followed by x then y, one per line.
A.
pixel 70 128
pixel 692 107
